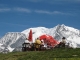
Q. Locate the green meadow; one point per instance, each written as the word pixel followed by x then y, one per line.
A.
pixel 54 54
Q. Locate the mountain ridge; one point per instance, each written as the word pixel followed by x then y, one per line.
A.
pixel 15 39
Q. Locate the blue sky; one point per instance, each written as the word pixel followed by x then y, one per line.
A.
pixel 18 15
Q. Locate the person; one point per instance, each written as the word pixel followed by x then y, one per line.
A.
pixel 63 42
pixel 42 45
pixel 27 44
pixel 37 44
pixel 26 41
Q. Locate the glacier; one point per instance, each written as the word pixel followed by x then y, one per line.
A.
pixel 12 41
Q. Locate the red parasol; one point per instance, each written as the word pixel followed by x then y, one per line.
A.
pixel 30 35
pixel 48 39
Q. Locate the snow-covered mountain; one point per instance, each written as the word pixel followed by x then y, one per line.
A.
pixel 15 39
pixel 12 40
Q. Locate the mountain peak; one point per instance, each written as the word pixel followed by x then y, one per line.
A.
pixel 67 28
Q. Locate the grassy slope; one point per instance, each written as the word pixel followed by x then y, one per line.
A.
pixel 55 54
